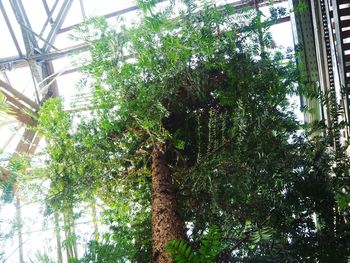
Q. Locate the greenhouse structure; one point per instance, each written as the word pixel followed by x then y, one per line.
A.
pixel 174 131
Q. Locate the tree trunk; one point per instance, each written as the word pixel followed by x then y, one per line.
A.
pixel 58 238
pixel 68 236
pixel 69 230
pixel 75 245
pixel 166 223
pixel 19 224
pixel 94 219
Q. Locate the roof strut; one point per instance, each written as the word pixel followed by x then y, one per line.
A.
pixel 57 25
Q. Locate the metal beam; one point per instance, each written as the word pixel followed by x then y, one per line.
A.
pixel 34 144
pixel 82 8
pixel 113 14
pixel 238 4
pixel 12 62
pixel 29 30
pixel 58 24
pixel 22 116
pixel 29 34
pixel 27 23
pixel 62 53
pixel 9 26
pixel 49 16
pixel 47 10
pixel 10 138
pixel 21 16
pixel 20 110
pixel 13 101
pixel 18 62
pixel 110 15
pixel 15 62
pixel 29 42
pixel 18 95
pixel 26 141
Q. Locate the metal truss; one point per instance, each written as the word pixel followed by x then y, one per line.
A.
pixel 323 31
pixel 40 51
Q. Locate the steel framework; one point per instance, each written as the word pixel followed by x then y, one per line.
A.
pixel 323 31
pixel 40 52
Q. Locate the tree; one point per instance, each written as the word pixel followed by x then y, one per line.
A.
pixel 183 78
pixel 145 119
pixel 177 83
pixel 195 108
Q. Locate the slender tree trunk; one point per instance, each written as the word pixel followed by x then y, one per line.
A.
pixel 95 220
pixel 68 235
pixel 58 238
pixel 166 222
pixel 75 245
pixel 19 224
pixel 69 231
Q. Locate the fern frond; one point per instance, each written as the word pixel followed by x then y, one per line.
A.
pixel 210 245
pixel 180 251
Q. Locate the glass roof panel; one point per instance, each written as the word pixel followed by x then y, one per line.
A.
pixel 24 83
pixel 8 133
pixel 50 3
pixel 8 48
pixel 68 86
pixel 74 15
pixel 36 13
pixel 14 25
pixel 14 136
pixel 64 40
pixel 105 6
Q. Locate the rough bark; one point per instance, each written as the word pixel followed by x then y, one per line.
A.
pixel 166 222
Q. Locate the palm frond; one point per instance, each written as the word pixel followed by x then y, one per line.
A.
pixel 5 110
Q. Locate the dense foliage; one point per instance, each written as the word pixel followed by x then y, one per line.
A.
pixel 207 86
